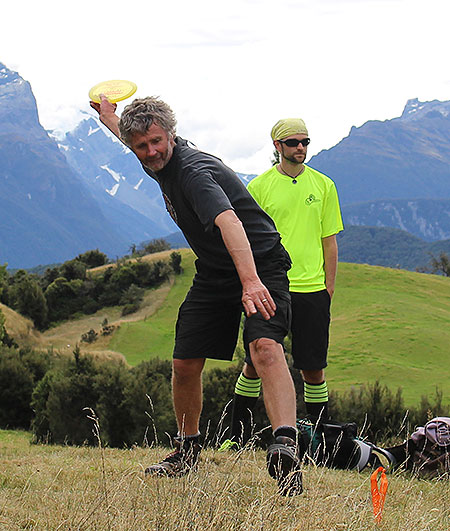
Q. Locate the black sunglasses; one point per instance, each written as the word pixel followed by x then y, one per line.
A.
pixel 293 142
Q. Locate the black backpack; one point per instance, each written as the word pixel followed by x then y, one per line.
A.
pixel 337 445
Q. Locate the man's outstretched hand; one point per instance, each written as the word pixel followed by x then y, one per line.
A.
pixel 107 114
pixel 104 107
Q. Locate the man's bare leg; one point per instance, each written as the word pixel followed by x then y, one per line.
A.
pixel 187 400
pixel 278 388
pixel 283 463
pixel 187 394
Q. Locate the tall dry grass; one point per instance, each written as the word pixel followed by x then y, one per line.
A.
pixel 65 488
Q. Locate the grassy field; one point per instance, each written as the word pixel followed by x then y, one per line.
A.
pixel 393 326
pixel 86 489
pixel 154 336
pixel 388 325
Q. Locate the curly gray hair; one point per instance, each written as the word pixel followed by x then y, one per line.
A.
pixel 142 113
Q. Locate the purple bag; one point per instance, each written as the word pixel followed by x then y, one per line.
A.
pixel 431 448
pixel 437 431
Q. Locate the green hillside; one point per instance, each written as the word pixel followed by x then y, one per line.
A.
pixel 393 326
pixel 388 324
pixel 154 337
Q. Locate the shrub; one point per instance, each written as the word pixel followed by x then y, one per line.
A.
pixel 20 370
pixel 73 270
pixel 130 308
pixel 60 402
pixel 132 295
pixel 90 307
pixel 16 386
pixel 156 245
pixel 218 391
pixel 148 400
pixel 111 408
pixel 89 337
pixel 132 405
pixel 64 298
pixel 107 329
pixel 373 407
pixel 93 258
pixel 175 263
pixel 25 295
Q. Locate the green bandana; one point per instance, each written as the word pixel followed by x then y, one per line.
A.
pixel 288 127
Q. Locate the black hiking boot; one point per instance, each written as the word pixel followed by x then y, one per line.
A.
pixel 180 462
pixel 283 465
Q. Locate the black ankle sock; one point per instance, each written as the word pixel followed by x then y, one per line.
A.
pixel 318 410
pixel 188 439
pixel 246 395
pixel 286 431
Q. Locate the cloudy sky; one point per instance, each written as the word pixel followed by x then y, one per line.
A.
pixel 231 69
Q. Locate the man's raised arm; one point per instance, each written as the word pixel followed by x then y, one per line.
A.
pixel 107 115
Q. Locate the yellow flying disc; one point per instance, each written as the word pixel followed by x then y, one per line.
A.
pixel 115 90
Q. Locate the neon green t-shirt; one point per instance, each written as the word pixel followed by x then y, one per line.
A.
pixel 303 213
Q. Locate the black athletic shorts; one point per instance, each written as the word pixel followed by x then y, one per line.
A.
pixel 310 329
pixel 210 316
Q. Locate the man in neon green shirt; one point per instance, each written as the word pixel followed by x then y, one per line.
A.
pixel 305 207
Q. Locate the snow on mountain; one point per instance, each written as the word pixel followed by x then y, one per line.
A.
pixel 108 167
pixel 47 214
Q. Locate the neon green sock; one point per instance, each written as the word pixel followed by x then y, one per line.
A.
pixel 246 393
pixel 316 399
pixel 250 387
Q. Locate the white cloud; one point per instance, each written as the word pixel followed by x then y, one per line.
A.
pixel 231 69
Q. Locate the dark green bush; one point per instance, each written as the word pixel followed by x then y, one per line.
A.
pixel 20 371
pixel 130 308
pixel 156 245
pixel 175 262
pixel 93 258
pixel 16 386
pixel 132 295
pixel 111 407
pixel 73 270
pixel 60 402
pixel 148 400
pixel 25 295
pixel 134 405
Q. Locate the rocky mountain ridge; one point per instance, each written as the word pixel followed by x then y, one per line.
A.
pixel 60 197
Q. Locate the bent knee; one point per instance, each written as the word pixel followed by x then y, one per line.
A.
pixel 266 352
pixel 186 369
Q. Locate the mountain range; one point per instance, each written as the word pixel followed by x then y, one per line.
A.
pixel 46 212
pixel 62 196
pixel 111 169
pixel 396 173
pixel 114 176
